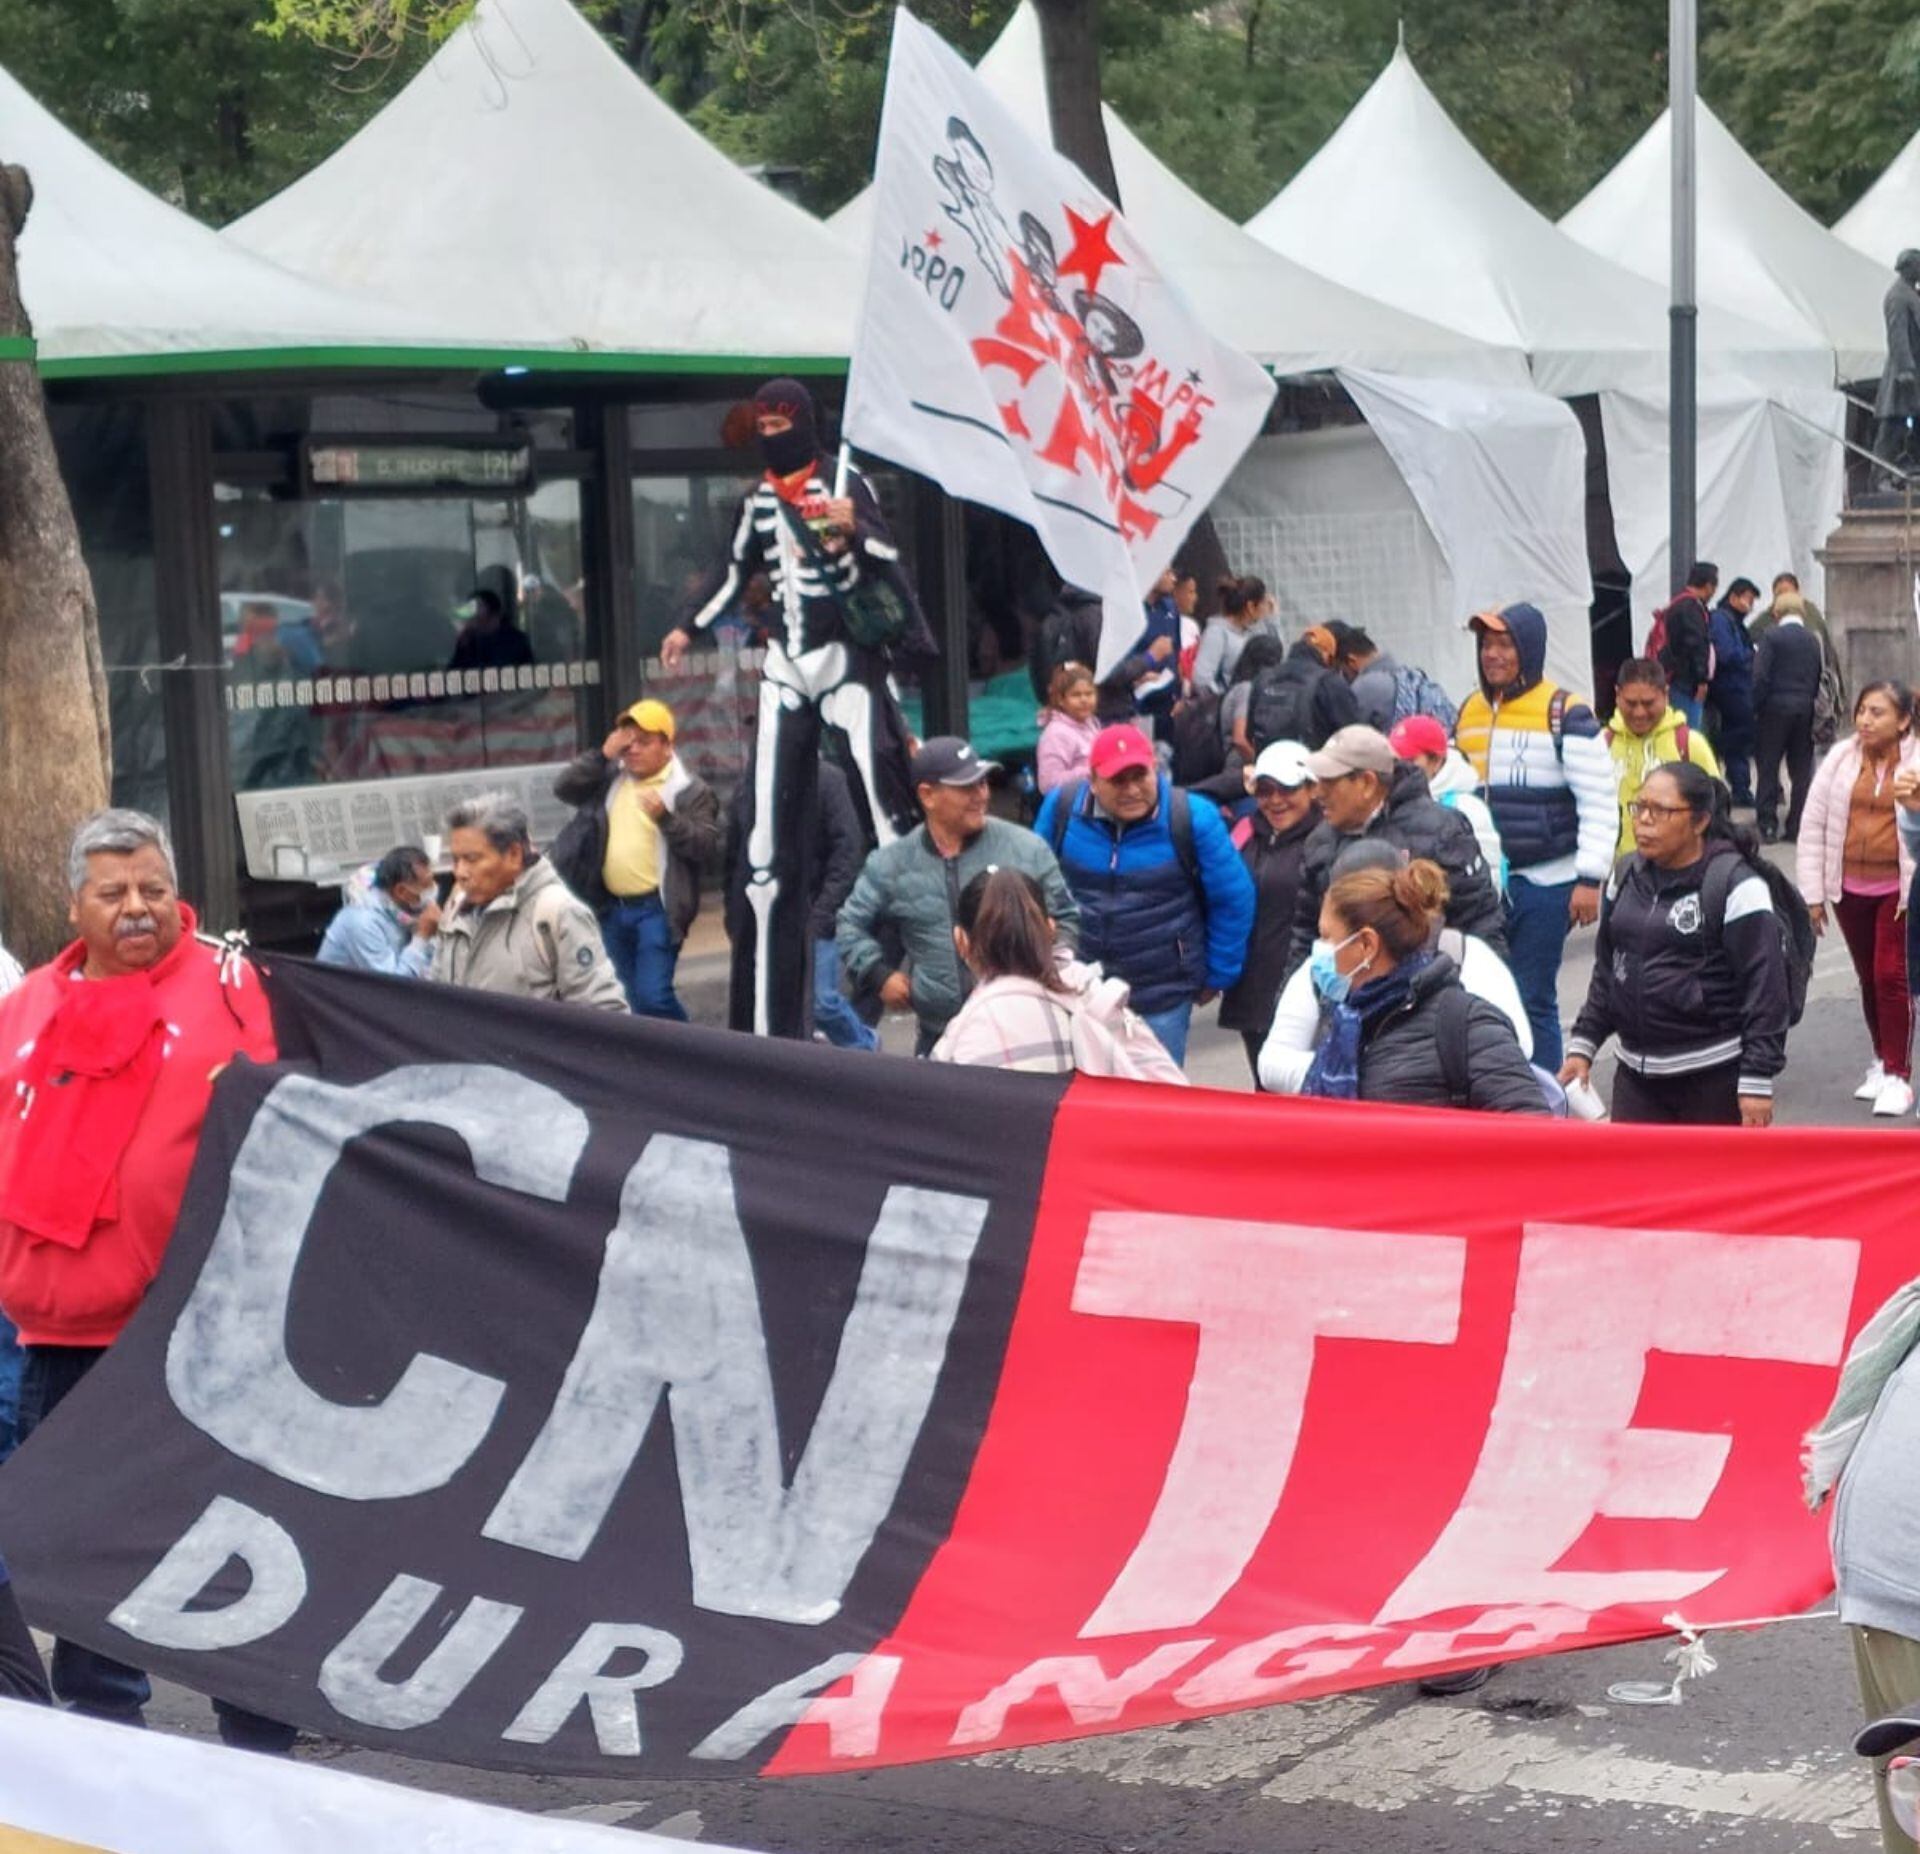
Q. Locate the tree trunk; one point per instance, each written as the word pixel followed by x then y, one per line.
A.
pixel 55 747
pixel 1070 37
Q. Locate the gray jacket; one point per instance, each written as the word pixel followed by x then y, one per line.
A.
pixel 1876 1520
pixel 909 886
pixel 538 940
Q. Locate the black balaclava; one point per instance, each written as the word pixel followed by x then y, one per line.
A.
pixel 793 450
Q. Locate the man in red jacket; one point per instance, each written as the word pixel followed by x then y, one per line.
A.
pixel 107 1062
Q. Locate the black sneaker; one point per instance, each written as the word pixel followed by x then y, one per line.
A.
pixel 1449 1684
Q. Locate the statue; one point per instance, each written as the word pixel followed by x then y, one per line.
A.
pixel 1898 404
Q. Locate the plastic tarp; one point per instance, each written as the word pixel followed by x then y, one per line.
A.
pixel 1271 308
pixel 1400 205
pixel 1501 477
pixel 1885 220
pixel 112 275
pixel 1771 485
pixel 1760 254
pixel 1329 521
pixel 531 183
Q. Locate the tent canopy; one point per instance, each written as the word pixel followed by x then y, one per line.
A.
pixel 1760 255
pixel 1269 307
pixel 1885 220
pixel 1401 205
pixel 532 186
pixel 116 280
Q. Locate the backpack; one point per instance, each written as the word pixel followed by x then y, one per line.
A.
pixel 1058 642
pixel 1416 693
pixel 1657 637
pixel 1179 825
pixel 1198 751
pixel 1797 940
pixel 1281 705
pixel 1456 1004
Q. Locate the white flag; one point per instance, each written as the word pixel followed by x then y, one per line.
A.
pixel 1018 345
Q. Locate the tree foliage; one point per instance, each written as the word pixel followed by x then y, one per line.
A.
pixel 217 103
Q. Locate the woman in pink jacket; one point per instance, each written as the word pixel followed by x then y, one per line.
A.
pixel 1031 1010
pixel 1853 864
pixel 1067 728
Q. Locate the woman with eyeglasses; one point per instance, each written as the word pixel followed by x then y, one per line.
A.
pixel 1689 975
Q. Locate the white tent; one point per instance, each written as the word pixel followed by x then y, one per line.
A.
pixel 531 184
pixel 1401 205
pixel 1885 220
pixel 114 277
pixel 1760 255
pixel 1269 307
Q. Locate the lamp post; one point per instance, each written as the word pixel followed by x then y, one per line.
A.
pixel 1683 315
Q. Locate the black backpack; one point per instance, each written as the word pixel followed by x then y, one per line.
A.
pixel 1281 705
pixel 1798 942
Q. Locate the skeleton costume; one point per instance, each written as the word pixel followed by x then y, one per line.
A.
pixel 814 674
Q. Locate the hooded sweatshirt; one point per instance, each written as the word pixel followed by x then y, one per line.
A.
pixel 1557 809
pixel 1636 756
pixel 1456 786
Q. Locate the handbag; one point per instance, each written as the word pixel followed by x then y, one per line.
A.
pixel 874 608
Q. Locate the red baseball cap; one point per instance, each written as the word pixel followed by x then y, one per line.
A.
pixel 1416 735
pixel 1116 749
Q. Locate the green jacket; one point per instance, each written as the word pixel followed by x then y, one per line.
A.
pixel 909 886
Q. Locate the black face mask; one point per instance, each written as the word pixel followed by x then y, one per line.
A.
pixel 784 452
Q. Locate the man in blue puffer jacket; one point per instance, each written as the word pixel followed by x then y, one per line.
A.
pixel 1165 901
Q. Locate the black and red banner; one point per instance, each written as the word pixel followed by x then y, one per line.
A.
pixel 533 1390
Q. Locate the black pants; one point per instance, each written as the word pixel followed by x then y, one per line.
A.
pixel 1783 733
pixel 92 1683
pixel 1705 1098
pixel 1256 1041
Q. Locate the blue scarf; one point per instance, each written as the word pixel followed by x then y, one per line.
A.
pixel 1335 1071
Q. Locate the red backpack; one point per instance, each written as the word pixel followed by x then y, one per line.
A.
pixel 1657 637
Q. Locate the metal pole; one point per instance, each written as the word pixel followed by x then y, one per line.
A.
pixel 1683 316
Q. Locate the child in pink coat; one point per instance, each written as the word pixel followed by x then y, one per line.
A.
pixel 1067 728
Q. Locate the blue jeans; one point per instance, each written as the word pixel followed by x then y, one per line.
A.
pixel 1536 937
pixel 1686 704
pixel 11 1361
pixel 644 954
pixel 1170 1026
pixel 833 1016
pixel 93 1684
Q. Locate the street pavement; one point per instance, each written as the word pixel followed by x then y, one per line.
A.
pixel 1539 1759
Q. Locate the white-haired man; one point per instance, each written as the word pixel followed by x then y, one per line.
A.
pixel 110 1054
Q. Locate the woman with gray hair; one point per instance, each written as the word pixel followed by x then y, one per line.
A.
pixel 512 925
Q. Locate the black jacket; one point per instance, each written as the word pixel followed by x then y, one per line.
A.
pixel 839 848
pixel 1301 699
pixel 1401 1059
pixel 1070 633
pixel 1274 860
pixel 1418 823
pixel 1686 655
pixel 692 830
pixel 1680 995
pixel 1786 669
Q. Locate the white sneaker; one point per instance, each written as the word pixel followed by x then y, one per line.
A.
pixel 1871 1083
pixel 1895 1097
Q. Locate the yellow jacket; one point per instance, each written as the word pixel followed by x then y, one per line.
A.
pixel 1635 756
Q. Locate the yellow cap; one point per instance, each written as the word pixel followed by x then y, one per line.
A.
pixel 651 717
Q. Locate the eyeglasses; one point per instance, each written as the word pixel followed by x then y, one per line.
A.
pixel 1646 808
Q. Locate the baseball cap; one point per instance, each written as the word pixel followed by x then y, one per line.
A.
pixel 650 717
pixel 1418 734
pixel 1488 621
pixel 1326 645
pixel 1284 762
pixel 946 759
pixel 1115 749
pixel 1353 750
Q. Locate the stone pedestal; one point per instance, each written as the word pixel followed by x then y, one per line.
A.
pixel 1871 604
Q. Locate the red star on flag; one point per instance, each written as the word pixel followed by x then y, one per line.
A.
pixel 1092 249
pixel 933 241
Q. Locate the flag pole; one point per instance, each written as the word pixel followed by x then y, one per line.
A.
pixel 1683 315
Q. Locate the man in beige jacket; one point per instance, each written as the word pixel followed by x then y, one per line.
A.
pixel 513 926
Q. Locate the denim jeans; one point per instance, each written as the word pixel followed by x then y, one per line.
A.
pixel 1171 1026
pixel 1536 937
pixel 97 1685
pixel 641 945
pixel 11 1363
pixel 1690 706
pixel 833 1016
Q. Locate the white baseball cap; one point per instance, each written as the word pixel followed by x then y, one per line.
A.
pixel 1284 762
